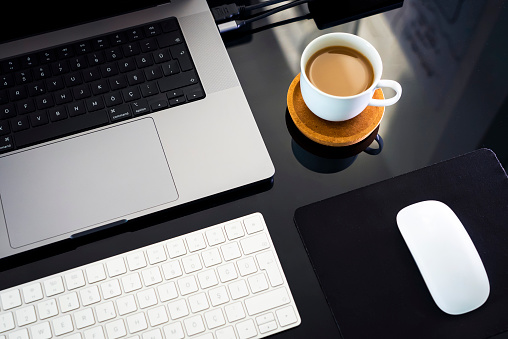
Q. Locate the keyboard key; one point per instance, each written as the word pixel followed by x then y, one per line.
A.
pixel 167 291
pixel 105 311
pixel 174 331
pixel 266 301
pixel 20 123
pixel 194 325
pixel 178 309
pixel 177 81
pixel 39 119
pixel 234 311
pixel 286 316
pixel 149 89
pixel 76 108
pixel 57 113
pixel 140 107
pixel 4 127
pixel 246 266
pixel 6 143
pixel 169 39
pixel 181 53
pixel 255 243
pixel 53 286
pixel 10 299
pixel 207 279
pixel 6 322
pixel 41 331
pixel 116 329
pixel 266 261
pixel 246 329
pixel 7 111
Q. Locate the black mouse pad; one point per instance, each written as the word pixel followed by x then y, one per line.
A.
pixel 366 271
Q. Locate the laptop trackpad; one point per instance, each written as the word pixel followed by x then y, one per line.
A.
pixel 84 181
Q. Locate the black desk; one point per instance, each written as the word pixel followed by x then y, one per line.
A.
pixel 449 56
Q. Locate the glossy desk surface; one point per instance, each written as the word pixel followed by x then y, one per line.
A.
pixel 450 58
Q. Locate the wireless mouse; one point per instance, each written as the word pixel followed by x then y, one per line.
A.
pixel 446 256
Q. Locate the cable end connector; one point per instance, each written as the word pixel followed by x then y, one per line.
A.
pixel 226 12
pixel 229 26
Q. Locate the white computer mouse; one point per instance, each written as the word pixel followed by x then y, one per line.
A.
pixel 446 256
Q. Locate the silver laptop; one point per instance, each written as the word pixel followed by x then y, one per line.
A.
pixel 87 147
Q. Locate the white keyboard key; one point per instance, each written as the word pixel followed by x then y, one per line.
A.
pixel 136 323
pixel 21 334
pixel 253 224
pixel 214 318
pixel 84 318
pixel 234 230
pixel 157 316
pixel 178 309
pixel 246 266
pixel 231 251
pixel 238 289
pixel 187 285
pixel 265 318
pixel 53 286
pixel 10 299
pixel 136 260
pixel 116 329
pixel 131 282
pixel 167 291
pixel 153 334
pixel 6 322
pixel 234 311
pixel 94 333
pixel 172 270
pixel 211 257
pixel 246 329
pixel 105 311
pixel 207 279
pixel 41 331
pixel 176 248
pixel 146 298
pixel 266 261
pixel 227 272
pixel 226 333
pixel 173 331
pixel 111 289
pixel 68 302
pixel 116 267
pixel 74 280
pixel 74 336
pixel 286 316
pixel 266 301
pixel 156 254
pixel 198 302
pixel 151 276
pixel 191 263
pixel 218 296
pixel 47 308
pixel 62 325
pixel 126 305
pixel 26 315
pixel 90 295
pixel 258 283
pixel 215 236
pixel 95 273
pixel 255 243
pixel 32 293
pixel 194 325
pixel 267 327
pixel 195 241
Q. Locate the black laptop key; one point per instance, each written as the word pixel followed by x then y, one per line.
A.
pixel 18 93
pixel 63 97
pixel 181 53
pixel 94 104
pixel 169 25
pixel 20 123
pixel 23 77
pixel 149 89
pixel 6 81
pixel 118 113
pixel 73 79
pixel 7 111
pixel 61 128
pixel 4 127
pixel 39 119
pixel 131 93
pixel 55 84
pixel 194 93
pixel 140 107
pixel 26 106
pixel 6 144
pixel 178 80
pixel 36 88
pixel 168 39
pixel 44 101
pixel 76 108
pixel 57 113
pixel 113 99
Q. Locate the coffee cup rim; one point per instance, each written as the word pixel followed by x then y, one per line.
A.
pixel 377 75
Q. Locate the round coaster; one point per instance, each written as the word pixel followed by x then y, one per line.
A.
pixel 329 133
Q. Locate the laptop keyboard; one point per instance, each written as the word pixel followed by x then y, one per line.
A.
pixel 80 86
pixel 222 282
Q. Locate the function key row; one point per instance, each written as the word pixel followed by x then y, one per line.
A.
pixel 168 28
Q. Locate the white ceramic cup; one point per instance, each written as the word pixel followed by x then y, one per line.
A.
pixel 340 108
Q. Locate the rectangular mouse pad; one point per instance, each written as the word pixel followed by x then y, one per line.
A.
pixel 369 278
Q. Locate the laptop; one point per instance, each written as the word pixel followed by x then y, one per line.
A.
pixel 116 118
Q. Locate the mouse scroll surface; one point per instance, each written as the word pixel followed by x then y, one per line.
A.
pixel 445 255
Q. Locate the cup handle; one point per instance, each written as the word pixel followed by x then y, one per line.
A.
pixel 375 151
pixel 387 102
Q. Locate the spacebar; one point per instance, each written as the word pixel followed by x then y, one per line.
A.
pixel 61 128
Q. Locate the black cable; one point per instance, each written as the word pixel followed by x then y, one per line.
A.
pixel 262 4
pixel 273 11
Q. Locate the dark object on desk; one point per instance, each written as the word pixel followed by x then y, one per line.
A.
pixel 329 13
pixel 366 271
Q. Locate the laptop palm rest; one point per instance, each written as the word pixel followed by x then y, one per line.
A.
pixel 109 174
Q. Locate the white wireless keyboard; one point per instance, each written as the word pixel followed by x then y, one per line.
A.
pixel 221 282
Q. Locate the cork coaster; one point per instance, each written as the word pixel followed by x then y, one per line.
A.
pixel 329 133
